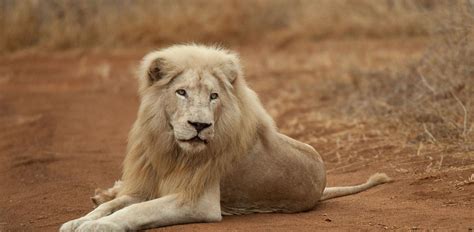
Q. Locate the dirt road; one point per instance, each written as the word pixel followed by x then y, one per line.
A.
pixel 64 118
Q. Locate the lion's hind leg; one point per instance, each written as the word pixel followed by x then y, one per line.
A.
pixel 101 196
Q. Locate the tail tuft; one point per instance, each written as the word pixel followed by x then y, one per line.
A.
pixel 378 178
pixel 101 196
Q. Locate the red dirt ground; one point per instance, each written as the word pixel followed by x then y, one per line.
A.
pixel 64 118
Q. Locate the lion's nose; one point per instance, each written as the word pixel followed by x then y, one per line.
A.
pixel 199 126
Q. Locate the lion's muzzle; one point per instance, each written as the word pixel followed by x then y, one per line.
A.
pixel 199 126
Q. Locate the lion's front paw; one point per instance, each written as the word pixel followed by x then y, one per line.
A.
pixel 101 226
pixel 72 225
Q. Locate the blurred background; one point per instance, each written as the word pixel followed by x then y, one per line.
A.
pixel 62 24
pixel 373 85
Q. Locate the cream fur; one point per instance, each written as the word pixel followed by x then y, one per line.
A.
pixel 374 180
pixel 244 165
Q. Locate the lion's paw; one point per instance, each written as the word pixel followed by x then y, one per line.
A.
pixel 98 225
pixel 72 225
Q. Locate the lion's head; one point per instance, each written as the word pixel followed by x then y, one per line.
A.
pixel 196 115
pixel 190 90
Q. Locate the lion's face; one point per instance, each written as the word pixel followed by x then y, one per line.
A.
pixel 195 102
pixel 188 95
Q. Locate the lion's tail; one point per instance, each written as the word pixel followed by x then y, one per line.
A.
pixel 101 196
pixel 333 192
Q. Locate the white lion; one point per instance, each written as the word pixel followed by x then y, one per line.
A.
pixel 203 146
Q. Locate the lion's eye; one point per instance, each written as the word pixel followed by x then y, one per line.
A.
pixel 214 96
pixel 181 92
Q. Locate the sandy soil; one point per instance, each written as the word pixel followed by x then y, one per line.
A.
pixel 64 118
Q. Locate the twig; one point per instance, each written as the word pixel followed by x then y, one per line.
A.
pixel 429 133
pixel 423 79
pixel 440 162
pixel 464 131
pixel 418 152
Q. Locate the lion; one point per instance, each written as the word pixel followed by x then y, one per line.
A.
pixel 203 146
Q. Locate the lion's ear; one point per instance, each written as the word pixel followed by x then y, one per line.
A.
pixel 232 69
pixel 154 68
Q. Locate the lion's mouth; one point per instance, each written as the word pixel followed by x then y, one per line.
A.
pixel 195 139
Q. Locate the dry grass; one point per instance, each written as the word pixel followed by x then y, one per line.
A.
pixel 61 24
pixel 431 100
